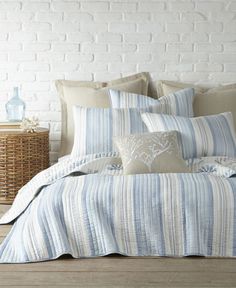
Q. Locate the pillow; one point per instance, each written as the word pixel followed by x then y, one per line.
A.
pixel 165 87
pixel 217 100
pixel 95 128
pixel 207 101
pixel 91 94
pixel 156 152
pixel 201 136
pixel 177 103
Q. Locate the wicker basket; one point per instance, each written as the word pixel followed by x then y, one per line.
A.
pixel 22 155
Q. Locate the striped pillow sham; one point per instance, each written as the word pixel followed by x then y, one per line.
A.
pixel 212 135
pixel 179 103
pixel 95 128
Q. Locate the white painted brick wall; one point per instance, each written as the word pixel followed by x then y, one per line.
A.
pixel 41 41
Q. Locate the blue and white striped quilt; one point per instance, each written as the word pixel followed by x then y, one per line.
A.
pixel 64 211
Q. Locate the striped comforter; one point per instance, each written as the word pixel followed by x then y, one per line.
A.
pixel 87 208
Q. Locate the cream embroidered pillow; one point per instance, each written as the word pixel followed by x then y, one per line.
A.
pixel 156 152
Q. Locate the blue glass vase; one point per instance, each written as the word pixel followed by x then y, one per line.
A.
pixel 15 107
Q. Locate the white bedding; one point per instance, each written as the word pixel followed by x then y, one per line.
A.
pixel 86 207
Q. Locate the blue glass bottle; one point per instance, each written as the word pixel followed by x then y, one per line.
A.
pixel 15 107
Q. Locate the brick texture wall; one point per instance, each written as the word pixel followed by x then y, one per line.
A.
pixel 40 41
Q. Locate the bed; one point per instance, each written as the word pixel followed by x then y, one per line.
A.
pixel 90 204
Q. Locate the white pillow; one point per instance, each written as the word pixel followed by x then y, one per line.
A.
pixel 201 136
pixel 95 128
pixel 178 103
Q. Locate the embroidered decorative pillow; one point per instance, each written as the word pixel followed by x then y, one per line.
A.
pixel 178 103
pixel 95 128
pixel 156 152
pixel 201 136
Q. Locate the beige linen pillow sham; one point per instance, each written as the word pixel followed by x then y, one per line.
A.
pixel 156 152
pixel 91 94
pixel 207 101
pixel 165 87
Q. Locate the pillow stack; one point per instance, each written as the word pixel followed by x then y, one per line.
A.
pixel 151 135
pixel 91 94
pixel 96 127
pixel 207 101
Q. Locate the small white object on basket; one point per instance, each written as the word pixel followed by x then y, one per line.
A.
pixel 30 124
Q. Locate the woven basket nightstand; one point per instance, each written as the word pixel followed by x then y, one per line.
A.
pixel 22 156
